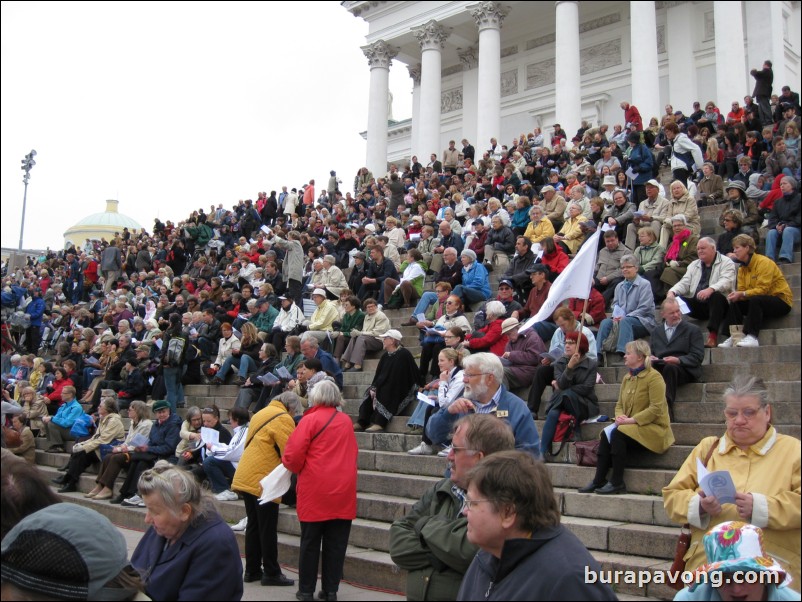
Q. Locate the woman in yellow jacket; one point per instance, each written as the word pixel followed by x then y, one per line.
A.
pixel 765 468
pixel 641 421
pixel 267 436
pixel 571 236
pixel 540 227
pixel 762 289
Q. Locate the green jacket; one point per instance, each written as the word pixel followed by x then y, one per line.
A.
pixel 431 543
pixel 264 321
pixel 352 322
pixel 418 282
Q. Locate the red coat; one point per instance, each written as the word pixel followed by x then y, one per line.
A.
pixel 556 261
pixel 326 467
pixel 90 273
pixel 595 307
pixel 493 341
pixel 58 386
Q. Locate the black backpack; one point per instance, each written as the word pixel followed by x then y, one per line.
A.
pixel 176 350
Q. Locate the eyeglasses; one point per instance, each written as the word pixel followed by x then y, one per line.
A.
pixel 466 375
pixel 468 504
pixel 451 303
pixel 747 413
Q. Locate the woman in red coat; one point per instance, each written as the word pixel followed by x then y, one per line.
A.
pixel 322 451
pixel 490 337
pixel 53 396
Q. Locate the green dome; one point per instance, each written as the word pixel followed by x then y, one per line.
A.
pixel 109 218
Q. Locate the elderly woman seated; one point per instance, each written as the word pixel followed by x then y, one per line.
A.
pixel 189 552
pixel 434 338
pixel 680 253
pixel 570 237
pixel 475 285
pixel 490 338
pixel 394 386
pixel 764 466
pixel 366 338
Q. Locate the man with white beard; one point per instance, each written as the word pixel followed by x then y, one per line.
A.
pixel 483 374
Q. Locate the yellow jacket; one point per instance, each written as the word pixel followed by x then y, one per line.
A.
pixel 109 429
pixel 643 397
pixel 769 470
pixel 763 277
pixel 324 316
pixel 572 233
pixel 543 229
pixel 260 456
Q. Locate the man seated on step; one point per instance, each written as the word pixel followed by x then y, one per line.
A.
pixel 483 375
pixel 677 351
pixel 431 541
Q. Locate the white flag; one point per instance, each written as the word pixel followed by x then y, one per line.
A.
pixel 574 282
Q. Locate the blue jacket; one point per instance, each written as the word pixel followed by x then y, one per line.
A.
pixel 510 408
pixel 164 437
pixel 641 161
pixel 204 564
pixel 331 366
pixel 476 277
pixel 35 309
pixel 637 302
pixel 68 413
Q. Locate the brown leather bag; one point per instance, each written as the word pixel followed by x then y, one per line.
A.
pixel 11 437
pixel 684 542
pixel 587 452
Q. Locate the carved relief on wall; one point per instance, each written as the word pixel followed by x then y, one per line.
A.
pixel 451 100
pixel 540 74
pixel 601 56
pixel 509 83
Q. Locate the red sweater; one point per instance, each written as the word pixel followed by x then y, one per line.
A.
pixel 556 261
pixel 492 341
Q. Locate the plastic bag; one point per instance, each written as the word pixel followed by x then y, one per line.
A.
pixel 275 484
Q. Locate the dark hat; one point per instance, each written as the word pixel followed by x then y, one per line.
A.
pixel 634 137
pixel 537 268
pixel 589 224
pixel 162 404
pixel 506 282
pixel 64 551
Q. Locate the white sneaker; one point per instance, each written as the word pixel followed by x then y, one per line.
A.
pixel 227 496
pixel 749 341
pixel 240 526
pixel 421 450
pixel 443 453
pixel 726 344
pixel 133 502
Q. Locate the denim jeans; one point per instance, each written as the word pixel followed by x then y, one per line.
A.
pixel 425 301
pixel 219 473
pixel 231 360
pixel 469 296
pixel 172 382
pixel 788 239
pixel 549 428
pixel 628 330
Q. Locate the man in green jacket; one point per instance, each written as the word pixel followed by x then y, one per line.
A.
pixel 264 318
pixel 431 542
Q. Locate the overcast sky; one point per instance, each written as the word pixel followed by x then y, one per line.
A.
pixel 169 107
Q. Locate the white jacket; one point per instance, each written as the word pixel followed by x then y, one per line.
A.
pixel 287 320
pixel 227 346
pixel 722 277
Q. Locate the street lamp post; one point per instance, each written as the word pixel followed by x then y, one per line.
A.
pixel 27 165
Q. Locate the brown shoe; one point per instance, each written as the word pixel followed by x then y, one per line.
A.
pixel 358 428
pixel 712 340
pixel 410 322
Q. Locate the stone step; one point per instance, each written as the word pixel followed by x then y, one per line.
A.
pixel 646 481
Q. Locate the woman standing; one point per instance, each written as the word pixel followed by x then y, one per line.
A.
pixel 641 421
pixel 322 451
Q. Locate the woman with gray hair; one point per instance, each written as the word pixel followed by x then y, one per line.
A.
pixel 490 338
pixel 633 308
pixel 322 451
pixel 189 552
pixel 679 255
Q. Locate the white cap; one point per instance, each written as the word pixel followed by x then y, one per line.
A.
pixel 319 291
pixel 393 334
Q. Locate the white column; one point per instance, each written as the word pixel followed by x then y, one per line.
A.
pixel 431 38
pixel 488 16
pixel 568 91
pixel 379 55
pixel 731 69
pixel 681 69
pixel 645 80
pixel 414 73
pixel 764 35
pixel 470 92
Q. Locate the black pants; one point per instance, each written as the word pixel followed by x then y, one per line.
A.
pixel 750 312
pixel 295 292
pixel 33 338
pixel 114 385
pixel 261 537
pixel 428 358
pixel 79 462
pixel 614 453
pixel 140 462
pixel 334 536
pixel 675 376
pixel 543 377
pixel 714 310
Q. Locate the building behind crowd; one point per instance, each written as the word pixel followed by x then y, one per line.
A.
pixel 498 69
pixel 100 225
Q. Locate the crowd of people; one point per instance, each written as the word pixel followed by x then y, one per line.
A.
pixel 283 295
